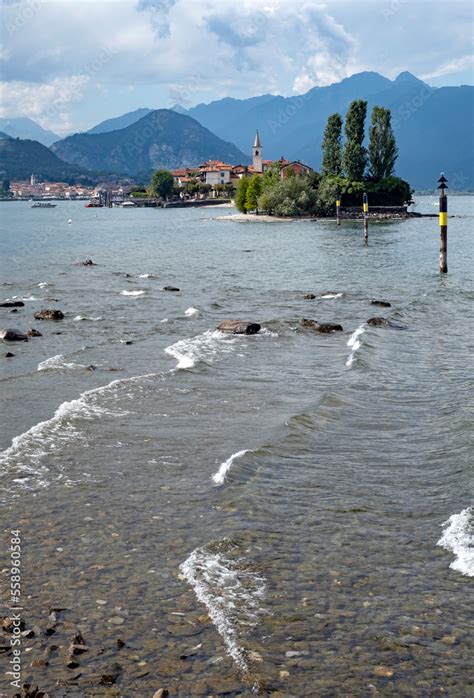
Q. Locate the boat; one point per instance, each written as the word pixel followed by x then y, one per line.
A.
pixel 95 202
pixel 128 204
pixel 41 204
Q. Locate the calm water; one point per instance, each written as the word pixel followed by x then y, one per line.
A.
pixel 286 513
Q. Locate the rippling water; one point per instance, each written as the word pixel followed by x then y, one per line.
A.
pixel 287 513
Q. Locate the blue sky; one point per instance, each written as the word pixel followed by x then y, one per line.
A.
pixel 69 64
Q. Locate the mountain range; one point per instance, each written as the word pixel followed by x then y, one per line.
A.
pixel 160 139
pixel 25 128
pixel 433 127
pixel 20 158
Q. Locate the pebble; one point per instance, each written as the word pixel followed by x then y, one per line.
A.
pixel 116 620
pixel 383 671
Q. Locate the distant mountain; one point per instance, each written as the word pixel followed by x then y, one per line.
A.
pixel 21 158
pixel 29 129
pixel 162 138
pixel 433 126
pixel 4 135
pixel 120 122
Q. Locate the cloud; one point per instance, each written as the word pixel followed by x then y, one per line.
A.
pixel 452 67
pixel 161 51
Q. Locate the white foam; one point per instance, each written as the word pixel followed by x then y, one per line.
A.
pixel 220 477
pixel 458 538
pixel 78 318
pixel 51 435
pixel 57 362
pixel 355 344
pixel 191 311
pixel 230 593
pixel 202 347
pixel 148 276
pixel 132 293
pixel 332 295
pixel 43 284
pixel 25 298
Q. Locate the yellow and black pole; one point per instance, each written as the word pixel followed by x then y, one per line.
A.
pixel 443 225
pixel 365 205
pixel 338 206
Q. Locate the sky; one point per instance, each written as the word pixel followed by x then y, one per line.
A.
pixel 68 65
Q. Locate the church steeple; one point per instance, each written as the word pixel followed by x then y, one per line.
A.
pixel 257 154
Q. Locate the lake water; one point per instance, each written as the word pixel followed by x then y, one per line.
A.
pixel 286 513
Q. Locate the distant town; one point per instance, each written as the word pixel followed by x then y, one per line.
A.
pixel 212 179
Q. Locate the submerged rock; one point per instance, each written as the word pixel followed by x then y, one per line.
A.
pixel 11 335
pixel 9 355
pixel 12 304
pixel 309 296
pixel 378 321
pixel 86 263
pixel 34 333
pixel 49 314
pixel 239 327
pixel 323 327
pixel 170 288
pixel 382 304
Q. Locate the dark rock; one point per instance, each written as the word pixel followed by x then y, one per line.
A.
pixel 382 304
pixel 309 296
pixel 377 321
pixel 161 693
pixel 170 288
pixel 9 355
pixel 87 263
pixel 40 663
pixel 71 661
pixel 10 335
pixel 34 333
pixel 76 649
pixel 111 676
pixel 323 327
pixel 91 368
pixel 120 644
pixel 239 327
pixel 12 304
pixel 49 314
pixel 15 310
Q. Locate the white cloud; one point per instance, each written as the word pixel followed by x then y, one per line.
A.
pixel 451 67
pixel 189 50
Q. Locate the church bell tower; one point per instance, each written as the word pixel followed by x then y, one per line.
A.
pixel 257 154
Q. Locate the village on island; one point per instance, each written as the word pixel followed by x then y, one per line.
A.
pixel 351 170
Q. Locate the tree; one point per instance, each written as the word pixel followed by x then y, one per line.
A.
pixel 354 158
pixel 254 190
pixel 162 183
pixel 332 147
pixel 241 194
pixel 383 150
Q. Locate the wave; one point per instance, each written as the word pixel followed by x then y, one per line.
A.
pixel 148 276
pixel 231 593
pixel 355 344
pixel 220 476
pixel 202 347
pixel 331 295
pixel 57 362
pixel 78 318
pixel 191 311
pixel 132 293
pixel 43 284
pixel 25 299
pixel 52 434
pixel 458 538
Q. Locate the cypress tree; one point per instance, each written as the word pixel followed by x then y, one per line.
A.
pixel 332 147
pixel 355 155
pixel 383 150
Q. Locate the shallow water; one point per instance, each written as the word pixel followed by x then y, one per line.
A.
pixel 287 512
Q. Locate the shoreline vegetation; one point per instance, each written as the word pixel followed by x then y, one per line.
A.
pixel 348 171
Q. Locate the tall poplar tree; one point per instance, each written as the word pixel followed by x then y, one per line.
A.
pixel 354 157
pixel 383 150
pixel 332 147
